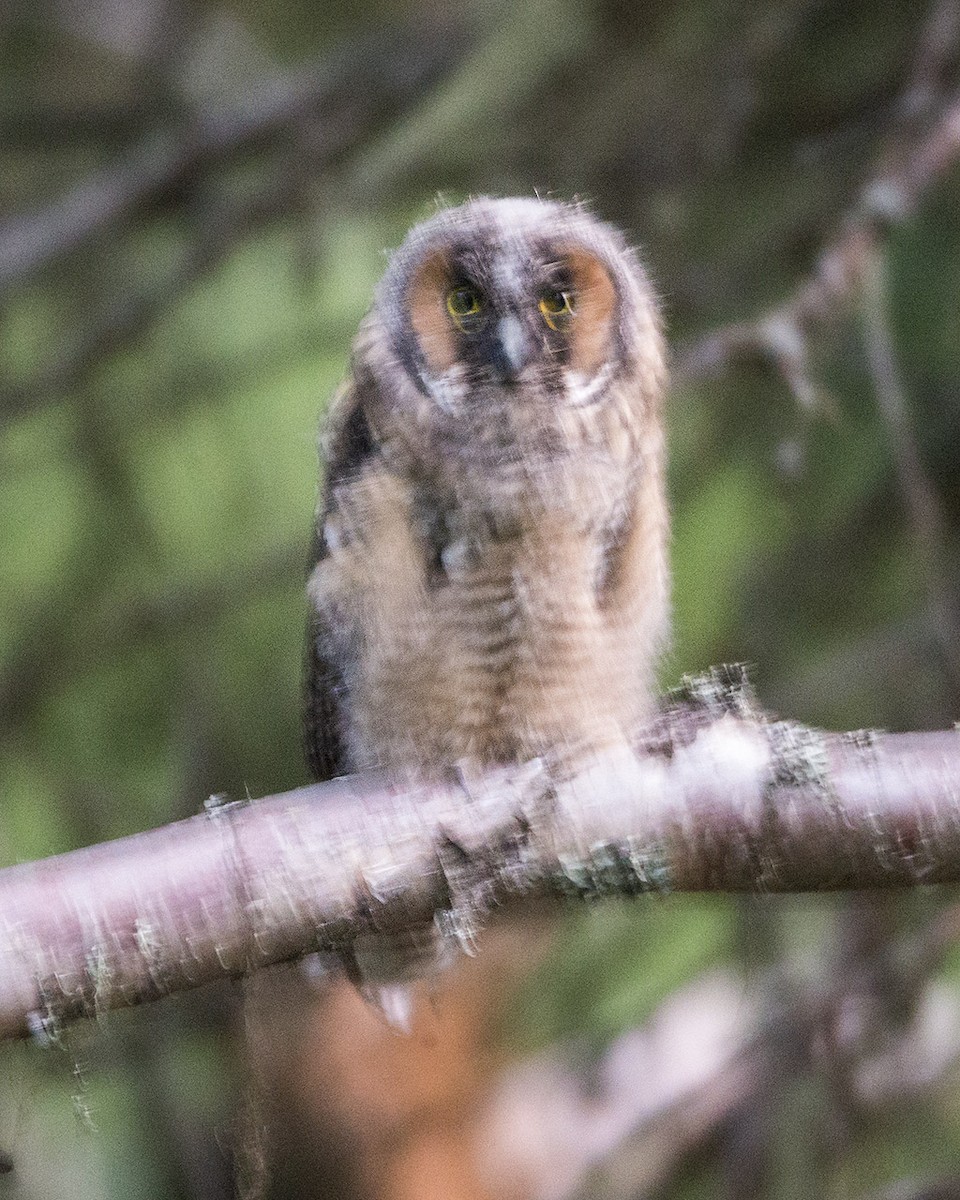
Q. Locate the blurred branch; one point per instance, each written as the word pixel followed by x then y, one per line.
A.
pixel 936 56
pixel 356 90
pixel 928 525
pixel 657 1092
pixel 718 797
pixel 708 1054
pixel 129 315
pixel 840 272
pixel 344 103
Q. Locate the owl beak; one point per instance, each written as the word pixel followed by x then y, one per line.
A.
pixel 511 349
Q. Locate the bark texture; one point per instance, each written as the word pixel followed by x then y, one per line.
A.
pixel 717 797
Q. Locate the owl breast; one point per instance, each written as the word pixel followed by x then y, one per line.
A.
pixel 464 635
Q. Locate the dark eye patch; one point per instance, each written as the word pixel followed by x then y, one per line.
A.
pixel 466 267
pixel 557 278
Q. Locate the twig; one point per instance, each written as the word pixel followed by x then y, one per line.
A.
pixel 840 271
pixel 910 165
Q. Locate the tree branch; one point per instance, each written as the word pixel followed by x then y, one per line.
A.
pixel 902 180
pixel 718 798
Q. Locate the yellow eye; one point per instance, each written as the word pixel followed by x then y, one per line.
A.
pixel 464 304
pixel 557 308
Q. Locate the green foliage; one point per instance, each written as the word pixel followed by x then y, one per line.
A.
pixel 610 967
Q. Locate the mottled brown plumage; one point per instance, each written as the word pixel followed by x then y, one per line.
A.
pixel 491 582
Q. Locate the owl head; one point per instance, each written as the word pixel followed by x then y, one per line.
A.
pixel 508 334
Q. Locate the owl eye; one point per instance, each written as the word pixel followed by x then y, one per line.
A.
pixel 557 308
pixel 465 306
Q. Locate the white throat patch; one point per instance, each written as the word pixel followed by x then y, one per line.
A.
pixel 583 390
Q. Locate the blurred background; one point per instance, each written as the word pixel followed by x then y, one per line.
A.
pixel 195 200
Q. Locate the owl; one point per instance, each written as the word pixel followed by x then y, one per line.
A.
pixel 491 581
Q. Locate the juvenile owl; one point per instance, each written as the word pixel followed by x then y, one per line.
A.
pixel 491 580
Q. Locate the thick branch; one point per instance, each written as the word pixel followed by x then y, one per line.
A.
pixel 718 799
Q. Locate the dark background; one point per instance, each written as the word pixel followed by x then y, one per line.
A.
pixel 194 204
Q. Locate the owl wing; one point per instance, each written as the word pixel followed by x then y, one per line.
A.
pixel 323 714
pixel 351 446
